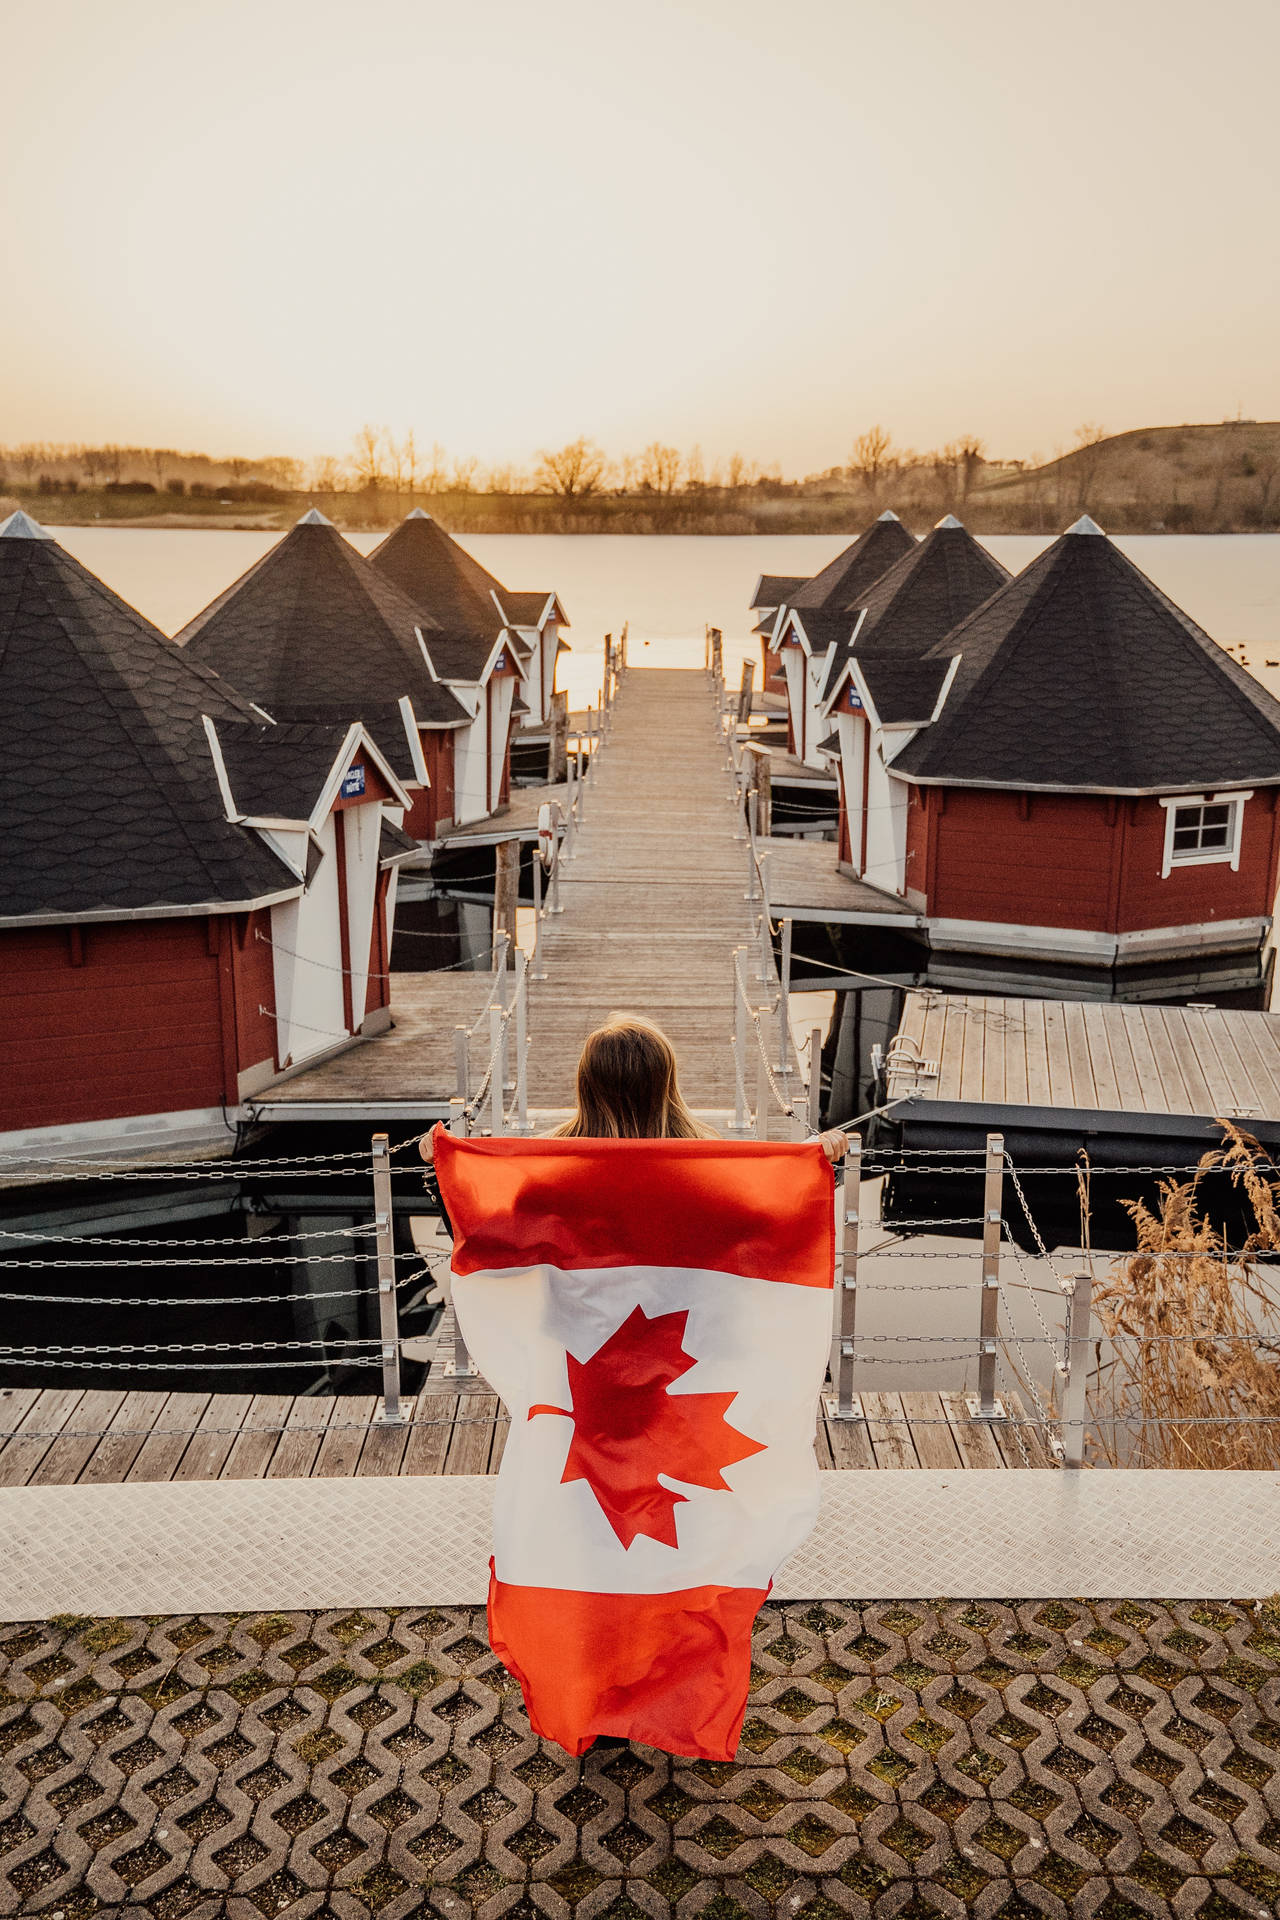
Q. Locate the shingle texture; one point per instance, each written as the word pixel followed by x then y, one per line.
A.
pixel 313 632
pixel 904 690
pixel 279 772
pixel 1081 673
pixel 461 597
pixel 523 609
pixel 774 590
pixel 109 799
pixel 926 593
pixel 844 581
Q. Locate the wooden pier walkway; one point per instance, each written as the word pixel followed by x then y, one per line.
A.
pixel 654 897
pixel 84 1437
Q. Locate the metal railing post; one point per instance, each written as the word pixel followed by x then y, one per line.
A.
pixel 815 1077
pixel 739 1044
pixel 985 1406
pixel 522 1048
pixel 388 1314
pixel 762 1084
pixel 784 1002
pixel 839 1404
pixel 1079 1292
pixel 498 1070
pixel 539 970
pixel 462 1062
pixel 458 1120
pixel 753 800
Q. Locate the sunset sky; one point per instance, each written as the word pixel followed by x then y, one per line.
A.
pixel 754 226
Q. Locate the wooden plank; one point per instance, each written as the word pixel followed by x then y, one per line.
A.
pixel 111 1459
pixel 1129 1094
pixel 348 1425
pixel 1185 1052
pixel 821 1444
pixel 384 1446
pixel 296 1451
pixel 1084 1087
pixel 1039 1091
pixel 428 1445
pixel 1153 1098
pixel 1172 1085
pixel 205 1455
pixel 1219 1062
pixel 472 1438
pixel 164 1447
pixel 850 1444
pixel 972 1437
pixel 1015 1054
pixel 1106 1087
pixel 993 1071
pixel 887 1430
pixel 1061 1086
pixel 502 1428
pixel 930 1434
pixel 65 1460
pixel 1263 1037
pixel 50 1411
pixel 258 1438
pixel 973 1048
pixel 951 1050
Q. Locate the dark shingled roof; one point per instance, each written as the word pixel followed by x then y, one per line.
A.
pixel 926 593
pixel 824 626
pixel 109 798
pixel 313 632
pixel 524 609
pixel 904 690
pixel 460 654
pixel 1082 674
pixel 278 772
pixel 439 576
pixel 774 590
pixel 395 844
pixel 844 581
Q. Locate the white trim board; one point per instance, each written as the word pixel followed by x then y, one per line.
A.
pixel 245 1545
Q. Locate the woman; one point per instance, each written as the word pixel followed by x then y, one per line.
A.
pixel 628 1089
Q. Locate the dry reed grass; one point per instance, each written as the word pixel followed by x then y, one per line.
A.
pixel 1183 1314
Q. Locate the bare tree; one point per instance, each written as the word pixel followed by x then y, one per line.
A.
pixel 27 458
pixel 869 458
pixel 737 472
pixel 695 470
pixel 435 477
pixel 279 470
pixel 1087 461
pixel 327 476
pixel 573 470
pixel 660 468
pixel 237 468
pixel 627 469
pixel 971 455
pixel 370 457
pixel 92 463
pixel 409 460
pixel 464 474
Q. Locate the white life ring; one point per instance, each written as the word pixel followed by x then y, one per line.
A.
pixel 546 834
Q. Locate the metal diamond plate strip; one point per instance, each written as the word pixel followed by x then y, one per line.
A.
pixel 238 1545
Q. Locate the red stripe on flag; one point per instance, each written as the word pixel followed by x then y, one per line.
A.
pixel 667 1669
pixel 759 1209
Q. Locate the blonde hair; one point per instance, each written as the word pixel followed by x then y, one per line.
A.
pixel 627 1087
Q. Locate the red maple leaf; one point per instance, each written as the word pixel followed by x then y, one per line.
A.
pixel 627 1428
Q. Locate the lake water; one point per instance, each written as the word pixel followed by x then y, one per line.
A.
pixel 669 587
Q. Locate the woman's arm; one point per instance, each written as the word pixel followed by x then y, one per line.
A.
pixel 834 1143
pixel 426 1146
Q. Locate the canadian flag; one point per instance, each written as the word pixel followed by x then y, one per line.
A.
pixel 656 1314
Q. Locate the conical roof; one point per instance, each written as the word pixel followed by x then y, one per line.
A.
pixel 844 580
pixel 109 800
pixel 313 630
pixel 1082 674
pixel 439 576
pixel 923 595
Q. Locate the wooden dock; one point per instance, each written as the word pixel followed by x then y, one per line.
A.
pixel 69 1436
pixel 1084 1065
pixel 804 883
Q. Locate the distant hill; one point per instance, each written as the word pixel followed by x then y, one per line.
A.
pixel 1189 479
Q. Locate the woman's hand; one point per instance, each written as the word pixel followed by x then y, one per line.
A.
pixel 426 1146
pixel 834 1143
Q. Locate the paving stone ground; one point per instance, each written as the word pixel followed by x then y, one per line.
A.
pixel 1000 1759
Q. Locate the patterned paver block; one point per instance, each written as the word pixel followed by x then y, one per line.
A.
pixel 907 1759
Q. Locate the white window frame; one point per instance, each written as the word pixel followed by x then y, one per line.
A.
pixel 1220 856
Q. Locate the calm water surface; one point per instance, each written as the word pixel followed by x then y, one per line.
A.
pixel 669 586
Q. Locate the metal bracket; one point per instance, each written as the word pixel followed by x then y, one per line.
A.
pixel 831 1407
pixel 454 1372
pixel 974 1409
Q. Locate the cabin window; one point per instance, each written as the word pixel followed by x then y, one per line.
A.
pixel 1203 829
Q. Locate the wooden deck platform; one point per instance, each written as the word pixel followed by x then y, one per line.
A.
pixel 804 883
pixel 1064 1064
pixel 69 1436
pixel 518 820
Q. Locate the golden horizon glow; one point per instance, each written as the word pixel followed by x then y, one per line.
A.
pixel 254 227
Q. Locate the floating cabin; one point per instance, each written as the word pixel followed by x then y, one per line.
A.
pixel 1075 790
pixel 313 633
pixel 194 899
pixel 496 649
